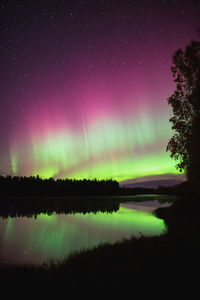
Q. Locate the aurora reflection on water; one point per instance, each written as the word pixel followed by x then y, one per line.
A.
pixel 34 241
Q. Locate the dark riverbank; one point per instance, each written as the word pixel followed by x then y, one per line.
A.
pixel 169 262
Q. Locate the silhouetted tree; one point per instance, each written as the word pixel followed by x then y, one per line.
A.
pixel 184 146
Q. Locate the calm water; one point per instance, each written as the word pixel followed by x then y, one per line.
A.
pixel 36 240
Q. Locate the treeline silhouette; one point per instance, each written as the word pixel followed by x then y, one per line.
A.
pixel 36 186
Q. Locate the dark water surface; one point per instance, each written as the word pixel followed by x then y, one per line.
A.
pixel 54 236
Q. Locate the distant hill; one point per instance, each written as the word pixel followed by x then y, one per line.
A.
pixel 152 184
pixel 154 181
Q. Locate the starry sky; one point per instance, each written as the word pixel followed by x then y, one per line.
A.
pixel 84 86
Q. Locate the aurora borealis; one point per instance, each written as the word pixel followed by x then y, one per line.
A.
pixel 85 83
pixel 102 149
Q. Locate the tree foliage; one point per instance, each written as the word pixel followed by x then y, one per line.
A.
pixel 184 146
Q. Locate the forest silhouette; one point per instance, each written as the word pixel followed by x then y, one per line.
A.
pixel 36 186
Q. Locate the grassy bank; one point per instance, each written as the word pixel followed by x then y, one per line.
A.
pixel 169 262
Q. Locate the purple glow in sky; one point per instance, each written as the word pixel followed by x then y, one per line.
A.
pixel 85 83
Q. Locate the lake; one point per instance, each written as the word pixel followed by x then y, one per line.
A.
pixel 35 240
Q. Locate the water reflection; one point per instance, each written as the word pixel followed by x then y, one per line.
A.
pixel 55 236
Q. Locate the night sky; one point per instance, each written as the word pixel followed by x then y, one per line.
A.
pixel 84 86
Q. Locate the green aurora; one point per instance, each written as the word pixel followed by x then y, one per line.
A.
pixel 106 149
